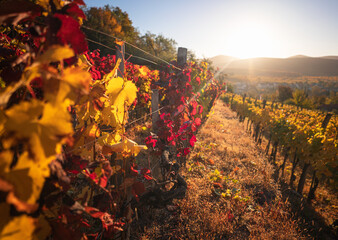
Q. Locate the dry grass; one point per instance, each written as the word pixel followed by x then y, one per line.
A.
pixel 231 193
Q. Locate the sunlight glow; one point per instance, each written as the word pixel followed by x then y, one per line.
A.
pixel 248 39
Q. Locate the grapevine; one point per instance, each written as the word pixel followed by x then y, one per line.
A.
pixel 67 169
pixel 299 131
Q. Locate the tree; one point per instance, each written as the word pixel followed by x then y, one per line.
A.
pixel 112 21
pixel 191 56
pixel 115 22
pixel 158 45
pixel 300 99
pixel 284 93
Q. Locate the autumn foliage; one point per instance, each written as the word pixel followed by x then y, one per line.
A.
pixel 62 122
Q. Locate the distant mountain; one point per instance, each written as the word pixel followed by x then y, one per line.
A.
pixel 296 65
pixel 330 57
pixel 222 60
pixel 299 56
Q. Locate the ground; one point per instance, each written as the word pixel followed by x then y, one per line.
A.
pixel 231 192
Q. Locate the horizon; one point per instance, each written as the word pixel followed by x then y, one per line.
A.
pixel 293 56
pixel 243 29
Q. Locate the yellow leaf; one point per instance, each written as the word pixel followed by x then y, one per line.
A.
pixel 43 3
pixel 127 146
pixel 2 122
pixel 44 125
pixel 55 53
pixel 27 177
pixel 6 158
pixel 77 78
pixel 8 91
pixel 144 71
pixel 65 89
pixel 106 78
pixel 93 130
pixel 83 62
pixel 121 94
pixel 110 139
pixel 23 118
pixel 22 227
pixel 114 85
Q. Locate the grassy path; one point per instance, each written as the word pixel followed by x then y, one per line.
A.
pixel 231 193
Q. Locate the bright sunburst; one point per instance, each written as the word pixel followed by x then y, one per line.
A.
pixel 248 39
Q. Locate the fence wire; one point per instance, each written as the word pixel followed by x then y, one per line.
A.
pixel 132 45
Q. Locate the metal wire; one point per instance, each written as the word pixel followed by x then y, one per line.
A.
pixel 127 125
pixel 132 45
pixel 90 40
pixel 130 55
pixel 133 56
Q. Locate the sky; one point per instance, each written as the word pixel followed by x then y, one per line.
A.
pixel 239 28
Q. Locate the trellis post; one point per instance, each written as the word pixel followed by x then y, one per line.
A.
pixel 120 54
pixel 154 109
pixel 182 56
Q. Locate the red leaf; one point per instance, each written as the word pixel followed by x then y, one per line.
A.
pixel 70 33
pixel 134 172
pixel 197 122
pixel 180 108
pixel 147 177
pixel 94 212
pixel 230 216
pixel 192 140
pixel 107 173
pixel 76 164
pixel 217 185
pixel 80 2
pixel 201 109
pixel 186 151
pixel 193 127
pixel 198 79
pixel 194 110
pixel 93 176
pixel 150 142
pixel 183 99
pixel 145 171
pixel 73 10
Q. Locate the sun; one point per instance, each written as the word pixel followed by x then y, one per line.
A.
pixel 249 39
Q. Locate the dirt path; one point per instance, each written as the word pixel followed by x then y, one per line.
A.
pixel 231 193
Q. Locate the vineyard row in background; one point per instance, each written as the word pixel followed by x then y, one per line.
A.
pixel 308 138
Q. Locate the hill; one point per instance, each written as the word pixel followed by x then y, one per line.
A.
pixel 296 65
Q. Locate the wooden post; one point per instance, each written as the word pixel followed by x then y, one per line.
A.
pixel 232 98
pixel 154 109
pixel 244 96
pixel 302 178
pixel 182 56
pixel 120 52
pixel 313 187
pixel 326 120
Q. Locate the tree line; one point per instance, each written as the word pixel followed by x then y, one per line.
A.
pixel 115 22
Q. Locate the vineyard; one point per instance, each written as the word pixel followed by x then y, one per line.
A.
pixel 67 168
pixel 92 143
pixel 309 137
